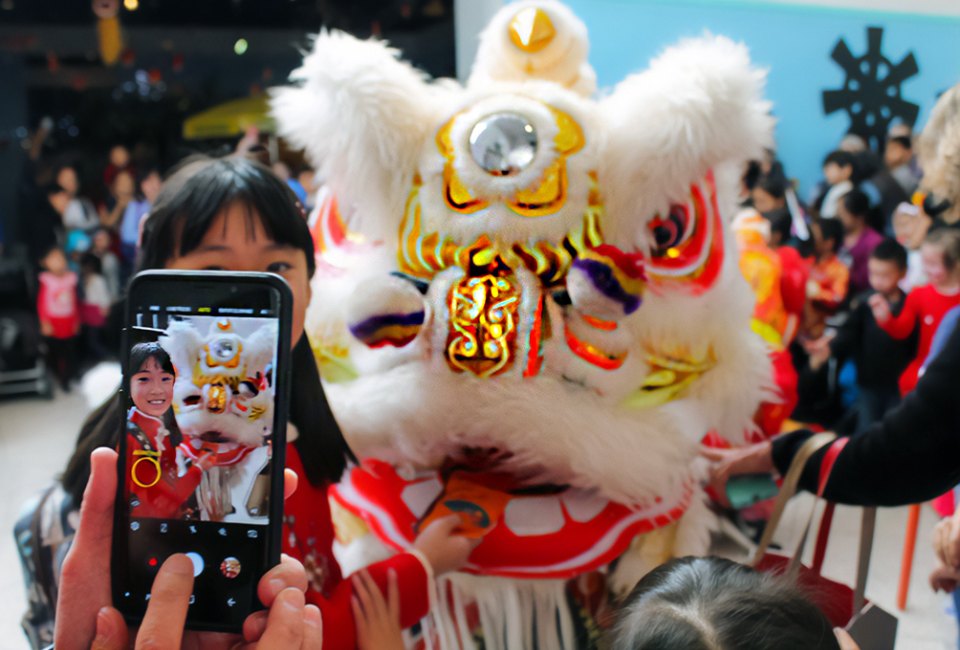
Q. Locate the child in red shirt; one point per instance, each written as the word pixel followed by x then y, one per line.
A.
pixel 59 312
pixel 925 306
pixel 829 278
pixel 154 487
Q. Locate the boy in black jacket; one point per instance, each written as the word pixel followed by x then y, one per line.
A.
pixel 879 358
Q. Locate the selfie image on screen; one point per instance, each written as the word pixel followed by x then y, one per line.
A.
pixel 199 418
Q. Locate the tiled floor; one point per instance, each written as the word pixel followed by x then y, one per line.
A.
pixel 37 437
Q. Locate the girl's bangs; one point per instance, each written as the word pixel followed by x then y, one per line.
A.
pixel 224 183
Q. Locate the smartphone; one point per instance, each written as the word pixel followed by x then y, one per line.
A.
pixel 205 359
pixel 748 489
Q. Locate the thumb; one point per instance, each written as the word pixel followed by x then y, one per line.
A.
pixel 111 631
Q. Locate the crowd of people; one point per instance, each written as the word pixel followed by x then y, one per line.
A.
pixel 80 225
pixel 868 271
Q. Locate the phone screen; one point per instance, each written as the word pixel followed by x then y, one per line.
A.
pixel 202 441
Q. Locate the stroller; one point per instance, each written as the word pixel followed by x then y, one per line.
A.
pixel 22 367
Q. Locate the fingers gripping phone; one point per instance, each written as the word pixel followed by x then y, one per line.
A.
pixel 202 439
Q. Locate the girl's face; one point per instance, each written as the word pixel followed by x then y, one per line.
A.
pixel 123 185
pixel 55 261
pixel 237 242
pixel 67 179
pixel 933 266
pixel 151 388
pixel 765 202
pixel 849 220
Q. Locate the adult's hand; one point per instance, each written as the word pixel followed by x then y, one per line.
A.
pixel 289 623
pixel 944 578
pixel 845 640
pixel 84 584
pixel 946 541
pixel 753 459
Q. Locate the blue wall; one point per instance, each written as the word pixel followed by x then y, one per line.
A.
pixel 794 42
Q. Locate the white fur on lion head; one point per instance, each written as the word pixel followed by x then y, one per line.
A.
pixel 394 148
pixel 222 387
pixel 535 39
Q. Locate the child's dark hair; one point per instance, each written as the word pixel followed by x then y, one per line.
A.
pixel 144 173
pixel 709 603
pixel 902 140
pixel 890 250
pixel 857 203
pixel 780 225
pixel 50 189
pixel 774 185
pixel 832 230
pixel 190 201
pixel 91 263
pixel 140 353
pixel 53 248
pixel 195 195
pixel 840 159
pixel 948 241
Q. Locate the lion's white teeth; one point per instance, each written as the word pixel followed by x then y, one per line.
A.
pixel 583 506
pixel 529 516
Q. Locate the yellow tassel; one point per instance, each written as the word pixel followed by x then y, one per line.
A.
pixel 111 41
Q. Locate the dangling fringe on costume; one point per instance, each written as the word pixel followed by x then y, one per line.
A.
pixel 513 614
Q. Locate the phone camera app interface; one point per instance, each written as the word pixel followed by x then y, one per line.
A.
pixel 198 441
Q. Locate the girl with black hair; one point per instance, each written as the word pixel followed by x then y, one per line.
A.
pixel 233 214
pixel 710 603
pixel 154 486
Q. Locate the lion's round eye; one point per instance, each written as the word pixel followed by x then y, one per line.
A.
pixel 224 349
pixel 503 144
pixel 670 231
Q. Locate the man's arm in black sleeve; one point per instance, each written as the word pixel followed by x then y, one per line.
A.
pixel 912 455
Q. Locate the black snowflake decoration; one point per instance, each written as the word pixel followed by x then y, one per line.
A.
pixel 871 93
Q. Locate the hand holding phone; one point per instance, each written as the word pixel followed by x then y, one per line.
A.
pixel 203 438
pixel 84 605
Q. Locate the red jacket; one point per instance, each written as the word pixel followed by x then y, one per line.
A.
pixel 308 536
pixel 152 476
pixel 57 303
pixel 924 306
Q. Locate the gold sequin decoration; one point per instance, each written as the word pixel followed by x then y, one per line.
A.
pixel 424 254
pixel 217 398
pixel 671 372
pixel 483 320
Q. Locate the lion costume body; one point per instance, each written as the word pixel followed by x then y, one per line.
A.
pixel 528 309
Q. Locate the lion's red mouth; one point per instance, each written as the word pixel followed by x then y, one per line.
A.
pixel 527 530
pixel 215 436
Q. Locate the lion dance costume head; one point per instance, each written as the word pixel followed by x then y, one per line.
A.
pixel 528 308
pixel 223 401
